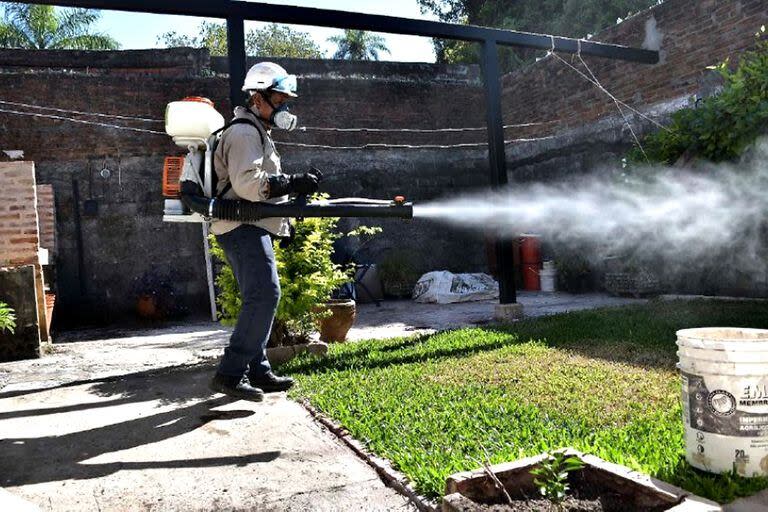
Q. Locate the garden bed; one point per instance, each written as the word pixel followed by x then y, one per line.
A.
pixel 598 486
pixel 601 381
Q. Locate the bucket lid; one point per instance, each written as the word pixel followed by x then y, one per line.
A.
pixel 724 338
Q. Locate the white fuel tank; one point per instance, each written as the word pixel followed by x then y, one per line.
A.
pixel 193 118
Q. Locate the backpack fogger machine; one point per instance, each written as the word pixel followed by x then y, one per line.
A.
pixel 189 182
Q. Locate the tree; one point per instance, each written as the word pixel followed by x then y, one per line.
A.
pixel 272 40
pixel 42 27
pixel 210 35
pixel 569 18
pixel 358 45
pixel 282 41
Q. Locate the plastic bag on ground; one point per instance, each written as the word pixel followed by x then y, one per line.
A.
pixel 443 287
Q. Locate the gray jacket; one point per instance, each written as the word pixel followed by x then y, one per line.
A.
pixel 243 160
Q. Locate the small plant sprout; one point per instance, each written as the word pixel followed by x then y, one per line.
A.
pixel 552 475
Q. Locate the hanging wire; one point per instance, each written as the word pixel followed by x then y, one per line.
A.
pixel 599 86
pixel 82 121
pixel 408 146
pixel 301 128
pixel 91 114
pixel 615 101
pixel 417 130
pixel 294 144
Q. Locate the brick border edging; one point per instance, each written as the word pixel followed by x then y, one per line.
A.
pixel 390 476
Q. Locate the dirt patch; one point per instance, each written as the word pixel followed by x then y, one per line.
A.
pixel 586 496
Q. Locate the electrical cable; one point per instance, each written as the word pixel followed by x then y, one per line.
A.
pixel 294 144
pixel 408 146
pixel 82 121
pixel 300 128
pixel 618 107
pixel 92 114
pixel 416 130
pixel 599 86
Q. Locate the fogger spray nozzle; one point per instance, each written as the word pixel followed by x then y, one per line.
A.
pixel 247 211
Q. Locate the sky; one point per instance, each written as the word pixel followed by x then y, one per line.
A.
pixel 135 31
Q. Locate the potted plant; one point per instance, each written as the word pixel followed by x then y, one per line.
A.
pixel 337 314
pixel 308 278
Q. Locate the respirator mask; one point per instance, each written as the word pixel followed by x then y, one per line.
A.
pixel 281 116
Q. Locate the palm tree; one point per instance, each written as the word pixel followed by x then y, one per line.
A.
pixel 40 27
pixel 358 45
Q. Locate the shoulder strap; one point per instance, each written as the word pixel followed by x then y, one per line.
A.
pixel 233 122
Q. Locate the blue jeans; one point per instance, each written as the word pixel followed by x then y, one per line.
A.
pixel 249 253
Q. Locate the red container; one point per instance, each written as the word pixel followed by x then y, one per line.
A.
pixel 531 280
pixel 530 249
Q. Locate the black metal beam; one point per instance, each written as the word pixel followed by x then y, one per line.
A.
pixel 236 54
pixel 498 163
pixel 226 9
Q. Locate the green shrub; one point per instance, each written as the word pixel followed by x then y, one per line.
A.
pixel 307 274
pixel 308 277
pixel 7 318
pixel 719 128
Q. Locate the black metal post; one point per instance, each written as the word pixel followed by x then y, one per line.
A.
pixel 497 162
pixel 236 54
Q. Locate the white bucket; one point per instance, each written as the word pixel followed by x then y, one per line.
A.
pixel 547 276
pixel 725 398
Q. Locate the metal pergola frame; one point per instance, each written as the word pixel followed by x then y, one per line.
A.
pixel 235 12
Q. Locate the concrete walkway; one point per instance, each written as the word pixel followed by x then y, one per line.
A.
pixel 405 317
pixel 161 441
pixel 126 422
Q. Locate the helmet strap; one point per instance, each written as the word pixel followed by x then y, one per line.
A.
pixel 266 93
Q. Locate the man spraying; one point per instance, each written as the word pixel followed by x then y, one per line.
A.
pixel 248 167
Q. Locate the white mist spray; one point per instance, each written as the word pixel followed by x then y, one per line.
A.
pixel 672 213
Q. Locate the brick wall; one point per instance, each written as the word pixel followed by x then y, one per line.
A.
pixel 19 240
pixel 110 255
pixel 171 62
pixel 330 98
pixel 696 34
pixel 47 218
pixel 19 246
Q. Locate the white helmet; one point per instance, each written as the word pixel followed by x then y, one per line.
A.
pixel 270 76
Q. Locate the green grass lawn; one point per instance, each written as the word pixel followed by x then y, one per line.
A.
pixel 603 382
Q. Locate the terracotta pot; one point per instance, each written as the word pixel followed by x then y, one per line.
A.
pixel 146 306
pixel 336 326
pixel 50 302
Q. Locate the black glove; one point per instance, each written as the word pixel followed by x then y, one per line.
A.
pixel 306 183
pixel 300 184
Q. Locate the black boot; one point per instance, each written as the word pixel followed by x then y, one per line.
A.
pixel 236 387
pixel 270 382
